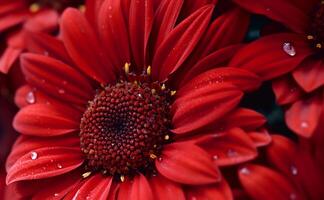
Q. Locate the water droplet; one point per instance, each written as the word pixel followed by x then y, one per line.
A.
pixel 160 159
pixel 59 166
pixel 56 194
pixel 289 49
pixel 215 157
pixel 33 155
pixel 231 153
pixel 140 95
pixel 193 198
pixel 61 91
pixel 245 171
pixel 304 125
pixel 292 196
pixel 30 97
pixel 294 170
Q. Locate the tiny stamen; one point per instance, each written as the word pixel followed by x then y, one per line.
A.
pixel 318 45
pixel 163 87
pixel 34 7
pixel 166 137
pixel 122 178
pixel 86 175
pixel 310 37
pixel 173 92
pixel 126 68
pixel 148 70
pixel 153 156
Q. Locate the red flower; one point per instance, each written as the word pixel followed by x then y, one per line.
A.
pixel 295 59
pixel 294 173
pixel 130 104
pixel 17 16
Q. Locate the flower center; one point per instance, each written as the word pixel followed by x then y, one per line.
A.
pixel 125 127
pixel 316 32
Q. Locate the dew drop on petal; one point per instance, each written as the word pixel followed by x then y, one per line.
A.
pixel 56 194
pixel 160 159
pixel 245 171
pixel 215 157
pixel 304 125
pixel 289 49
pixel 30 97
pixel 59 166
pixel 292 196
pixel 231 153
pixel 193 198
pixel 61 91
pixel 294 170
pixel 33 155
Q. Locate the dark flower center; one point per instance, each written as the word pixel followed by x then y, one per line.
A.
pixel 316 32
pixel 124 128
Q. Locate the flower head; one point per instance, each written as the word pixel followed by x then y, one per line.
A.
pixel 133 102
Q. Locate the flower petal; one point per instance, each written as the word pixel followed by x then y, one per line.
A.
pixel 113 31
pixel 56 79
pixel 220 191
pixel 180 43
pixel 303 116
pixel 196 108
pixel 187 164
pixel 286 90
pixel 84 48
pixel 140 25
pixel 283 11
pixel 267 57
pixel 258 181
pixel 26 144
pixel 96 187
pixel 165 189
pixel 8 58
pixel 260 138
pixel 137 189
pixel 46 120
pixel 44 163
pixel 233 148
pixel 310 74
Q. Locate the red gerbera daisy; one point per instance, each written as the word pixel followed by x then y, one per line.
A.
pixel 103 118
pixel 16 16
pixel 299 52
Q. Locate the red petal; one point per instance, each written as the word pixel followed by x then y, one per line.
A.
pixel 113 31
pixel 13 19
pixel 267 58
pixel 49 162
pixel 8 58
pixel 286 90
pixel 283 11
pixel 310 74
pixel 243 118
pixel 164 20
pixel 217 59
pixel 260 138
pixel 97 187
pixel 137 189
pixel 46 120
pixel 180 43
pixel 187 164
pixel 41 43
pixel 303 116
pixel 263 183
pixel 233 148
pixel 165 189
pixel 243 79
pixel 56 79
pixel 45 20
pixel 84 48
pixel 220 191
pixel 140 25
pixel 26 144
pixel 196 108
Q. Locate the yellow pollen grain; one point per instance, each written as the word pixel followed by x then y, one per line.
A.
pixel 86 175
pixel 173 92
pixel 310 37
pixel 126 67
pixel 166 137
pixel 153 156
pixel 153 91
pixel 318 46
pixel 34 7
pixel 122 178
pixel 163 87
pixel 82 8
pixel 149 70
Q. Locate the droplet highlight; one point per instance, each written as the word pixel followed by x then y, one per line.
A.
pixel 33 155
pixel 294 170
pixel 289 49
pixel 30 97
pixel 245 171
